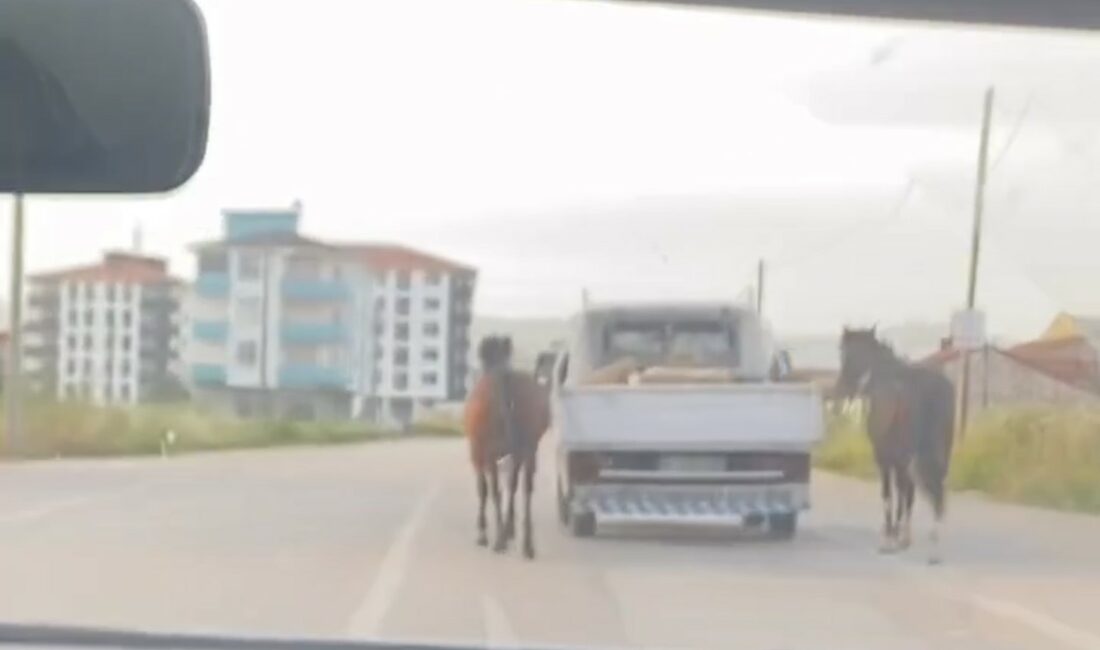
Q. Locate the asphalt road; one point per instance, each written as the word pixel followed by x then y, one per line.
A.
pixel 377 541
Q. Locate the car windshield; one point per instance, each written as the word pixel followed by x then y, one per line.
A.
pixel 305 394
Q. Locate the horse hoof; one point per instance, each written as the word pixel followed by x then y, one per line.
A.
pixel 935 560
pixel 529 552
pixel 482 541
pixel 887 548
pixel 500 546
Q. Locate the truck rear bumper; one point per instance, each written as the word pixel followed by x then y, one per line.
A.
pixel 688 503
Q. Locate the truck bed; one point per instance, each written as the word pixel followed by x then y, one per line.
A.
pixel 689 417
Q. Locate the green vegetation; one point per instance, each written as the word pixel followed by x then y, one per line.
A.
pixel 74 429
pixel 1040 456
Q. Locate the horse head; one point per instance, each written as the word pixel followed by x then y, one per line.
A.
pixel 495 352
pixel 859 351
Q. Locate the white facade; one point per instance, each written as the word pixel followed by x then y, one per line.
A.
pixel 412 335
pixel 99 339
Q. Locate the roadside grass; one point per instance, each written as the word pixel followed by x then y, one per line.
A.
pixel 1041 456
pixel 73 429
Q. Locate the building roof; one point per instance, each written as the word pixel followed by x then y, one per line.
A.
pixel 1059 358
pixel 117 266
pixel 262 239
pixel 395 257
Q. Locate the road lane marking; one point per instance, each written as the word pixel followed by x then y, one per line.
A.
pixel 366 620
pixel 43 510
pixel 498 629
pixel 1045 624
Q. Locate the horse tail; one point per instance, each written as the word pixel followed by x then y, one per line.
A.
pixel 506 406
pixel 935 438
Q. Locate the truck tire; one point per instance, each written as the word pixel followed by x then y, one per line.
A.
pixel 583 524
pixel 783 526
pixel 563 505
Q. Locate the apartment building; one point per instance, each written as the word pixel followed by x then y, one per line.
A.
pixel 106 332
pixel 284 325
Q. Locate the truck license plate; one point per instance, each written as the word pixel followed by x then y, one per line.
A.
pixel 689 463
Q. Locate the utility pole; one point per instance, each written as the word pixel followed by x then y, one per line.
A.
pixel 975 250
pixel 760 287
pixel 13 388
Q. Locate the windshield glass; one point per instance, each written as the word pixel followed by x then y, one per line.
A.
pixel 283 400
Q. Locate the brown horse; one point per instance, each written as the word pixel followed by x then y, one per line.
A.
pixel 910 422
pixel 506 415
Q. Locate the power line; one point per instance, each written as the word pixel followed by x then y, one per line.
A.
pixel 847 234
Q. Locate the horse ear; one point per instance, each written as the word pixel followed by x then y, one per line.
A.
pixel 873 328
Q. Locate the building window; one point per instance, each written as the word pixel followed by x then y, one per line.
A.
pixel 87 341
pixel 127 319
pixel 125 342
pixel 431 354
pixel 248 266
pixel 431 329
pixel 125 370
pixel 70 367
pixel 70 342
pixel 72 318
pixel 87 367
pixel 401 332
pixel 124 291
pixel 124 392
pixel 429 379
pixel 379 351
pixel 400 381
pixel 213 262
pixel 379 328
pixel 402 306
pixel 432 278
pixel 246 353
pixel 401 356
pixel 305 354
pixel 431 304
pixel 304 267
pixel 403 280
pixel 376 378
pixel 89 317
pixel 110 317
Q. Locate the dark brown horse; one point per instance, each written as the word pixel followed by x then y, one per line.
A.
pixel 910 421
pixel 506 415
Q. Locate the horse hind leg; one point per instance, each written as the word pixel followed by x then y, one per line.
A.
pixel 528 491
pixel 482 498
pixel 887 544
pixel 906 493
pixel 937 497
pixel 513 483
pixel 501 542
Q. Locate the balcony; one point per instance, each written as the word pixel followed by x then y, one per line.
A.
pixel 307 375
pixel 307 289
pixel 312 333
pixel 212 285
pixel 210 331
pixel 208 374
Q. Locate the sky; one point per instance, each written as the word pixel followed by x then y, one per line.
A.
pixel 644 152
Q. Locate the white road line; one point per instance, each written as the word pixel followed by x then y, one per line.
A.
pixel 43 510
pixel 498 629
pixel 1045 624
pixel 366 620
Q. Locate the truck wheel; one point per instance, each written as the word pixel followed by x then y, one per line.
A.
pixel 563 505
pixel 583 524
pixel 783 526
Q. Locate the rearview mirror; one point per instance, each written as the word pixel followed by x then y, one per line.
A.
pixel 101 95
